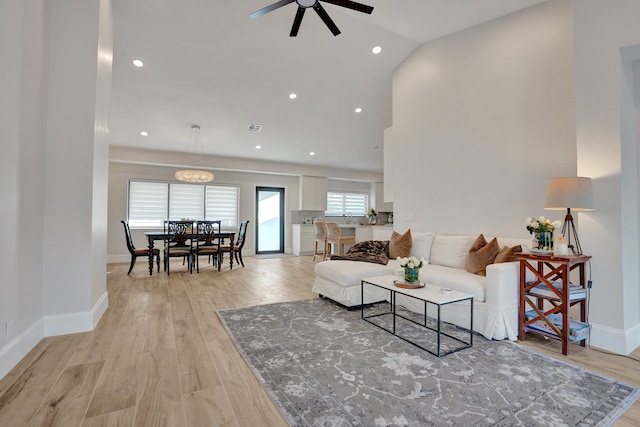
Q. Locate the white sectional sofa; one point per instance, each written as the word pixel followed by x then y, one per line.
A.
pixel 496 295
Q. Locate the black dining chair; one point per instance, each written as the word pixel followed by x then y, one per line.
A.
pixel 178 243
pixel 238 245
pixel 135 253
pixel 207 242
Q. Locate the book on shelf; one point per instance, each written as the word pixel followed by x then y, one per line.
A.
pixel 578 330
pixel 575 291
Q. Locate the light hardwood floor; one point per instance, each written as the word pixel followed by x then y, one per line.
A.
pixel 161 357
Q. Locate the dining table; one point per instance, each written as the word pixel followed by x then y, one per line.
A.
pixel 152 236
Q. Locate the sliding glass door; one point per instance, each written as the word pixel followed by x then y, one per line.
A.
pixel 269 220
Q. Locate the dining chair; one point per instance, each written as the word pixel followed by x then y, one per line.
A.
pixel 321 237
pixel 135 253
pixel 178 243
pixel 238 245
pixel 207 242
pixel 335 238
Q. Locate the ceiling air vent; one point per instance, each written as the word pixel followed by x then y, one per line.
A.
pixel 254 128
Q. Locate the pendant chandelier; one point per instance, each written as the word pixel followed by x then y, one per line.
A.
pixel 194 175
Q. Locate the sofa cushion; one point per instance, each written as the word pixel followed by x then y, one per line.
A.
pixel 481 254
pixel 507 254
pixel 450 251
pixel 454 278
pixel 400 244
pixel 349 273
pixel 421 243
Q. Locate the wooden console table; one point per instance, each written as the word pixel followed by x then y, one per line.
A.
pixel 548 269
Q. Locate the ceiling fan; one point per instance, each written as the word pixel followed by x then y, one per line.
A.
pixel 303 5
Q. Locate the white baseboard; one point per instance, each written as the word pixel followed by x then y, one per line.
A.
pixel 18 348
pixel 71 323
pixel 113 259
pixel 615 340
pixel 47 326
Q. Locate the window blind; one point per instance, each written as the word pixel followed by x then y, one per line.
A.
pixel 222 204
pixel 148 203
pixel 344 203
pixel 186 201
pixel 152 202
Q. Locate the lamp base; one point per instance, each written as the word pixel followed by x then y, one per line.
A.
pixel 568 230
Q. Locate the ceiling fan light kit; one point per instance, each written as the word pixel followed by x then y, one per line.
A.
pixel 303 5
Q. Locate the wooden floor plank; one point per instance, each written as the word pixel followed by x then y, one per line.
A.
pixel 67 402
pixel 210 408
pixel 30 389
pixel 250 401
pixel 160 401
pixel 118 383
pixel 197 371
pixel 124 418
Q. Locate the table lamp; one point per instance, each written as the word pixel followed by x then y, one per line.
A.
pixel 570 193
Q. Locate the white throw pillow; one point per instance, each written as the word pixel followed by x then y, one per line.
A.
pixel 451 251
pixel 421 243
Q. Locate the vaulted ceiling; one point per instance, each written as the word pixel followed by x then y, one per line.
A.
pixel 207 62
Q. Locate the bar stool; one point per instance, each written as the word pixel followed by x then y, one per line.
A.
pixel 335 237
pixel 321 237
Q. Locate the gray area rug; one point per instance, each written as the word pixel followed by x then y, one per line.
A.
pixel 324 366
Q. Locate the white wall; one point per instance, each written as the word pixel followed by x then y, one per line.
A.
pixel 22 118
pixel 481 120
pixel 606 39
pixel 80 47
pixel 54 157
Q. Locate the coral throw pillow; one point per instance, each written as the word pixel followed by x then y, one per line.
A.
pixel 481 254
pixel 400 245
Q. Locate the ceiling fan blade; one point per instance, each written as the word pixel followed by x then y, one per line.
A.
pixel 326 18
pixel 297 21
pixel 352 5
pixel 269 8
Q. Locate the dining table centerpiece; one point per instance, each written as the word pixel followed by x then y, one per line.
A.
pixel 412 266
pixel 541 230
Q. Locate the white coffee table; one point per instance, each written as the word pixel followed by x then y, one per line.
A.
pixel 429 294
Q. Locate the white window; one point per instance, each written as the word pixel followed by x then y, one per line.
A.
pixel 148 203
pixel 186 201
pixel 345 203
pixel 152 202
pixel 222 204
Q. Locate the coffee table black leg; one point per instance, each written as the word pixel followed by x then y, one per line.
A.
pixel 438 349
pixel 393 307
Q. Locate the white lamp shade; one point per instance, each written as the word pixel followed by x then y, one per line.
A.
pixel 572 192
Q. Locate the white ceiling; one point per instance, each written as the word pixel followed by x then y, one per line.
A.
pixel 208 63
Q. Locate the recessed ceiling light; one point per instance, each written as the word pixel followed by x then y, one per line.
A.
pixel 258 147
pixel 144 133
pixel 138 63
pixel 358 110
pixel 293 96
pixel 376 50
pixel 313 153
